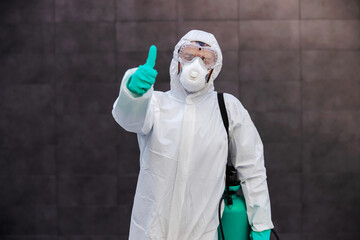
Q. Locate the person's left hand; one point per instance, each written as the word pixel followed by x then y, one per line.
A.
pixel 263 235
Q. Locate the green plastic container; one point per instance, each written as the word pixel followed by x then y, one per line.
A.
pixel 234 219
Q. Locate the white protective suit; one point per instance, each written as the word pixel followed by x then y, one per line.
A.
pixel 183 155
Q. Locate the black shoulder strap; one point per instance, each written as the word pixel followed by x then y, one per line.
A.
pixel 225 119
pixel 223 112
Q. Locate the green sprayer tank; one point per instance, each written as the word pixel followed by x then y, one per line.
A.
pixel 234 219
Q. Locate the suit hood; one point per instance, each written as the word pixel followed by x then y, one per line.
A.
pixel 176 88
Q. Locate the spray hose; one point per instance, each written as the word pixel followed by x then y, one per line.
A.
pixel 221 228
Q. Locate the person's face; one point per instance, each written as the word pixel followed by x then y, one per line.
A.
pixel 188 52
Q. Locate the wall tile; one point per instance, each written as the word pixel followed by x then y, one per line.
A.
pixel 278 126
pixel 26 38
pixel 230 87
pixel 331 156
pixel 139 36
pixel 17 220
pixel 320 218
pixel 93 237
pixel 275 161
pixel 286 218
pixel 86 68
pixel 275 9
pixel 266 35
pixel 28 220
pixel 27 68
pixel 87 130
pixel 202 9
pixel 331 126
pixel 337 65
pixel 124 212
pixel 123 237
pixel 27 99
pixel 145 10
pixel 91 220
pixel 269 65
pixel 46 220
pixel 162 86
pixel 19 11
pixel 328 187
pixel 287 236
pixel 128 154
pixel 126 189
pixel 46 237
pixel 127 60
pixel 262 96
pixel 227 80
pixel 27 190
pixel 331 95
pixel 225 32
pixel 284 188
pixel 85 38
pixel 330 34
pixel 229 70
pixel 87 190
pixel 27 130
pixel 87 98
pixel 86 160
pixel 27 160
pixel 90 10
pixel 331 235
pixel 333 9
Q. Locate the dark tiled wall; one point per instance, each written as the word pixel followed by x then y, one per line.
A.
pixel 68 171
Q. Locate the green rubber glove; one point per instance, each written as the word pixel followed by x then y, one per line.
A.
pixel 144 77
pixel 264 235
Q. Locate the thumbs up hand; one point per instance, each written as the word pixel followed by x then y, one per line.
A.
pixel 144 77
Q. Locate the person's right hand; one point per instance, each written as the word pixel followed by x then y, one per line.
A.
pixel 144 77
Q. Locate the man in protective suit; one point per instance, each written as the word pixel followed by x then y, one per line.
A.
pixel 184 147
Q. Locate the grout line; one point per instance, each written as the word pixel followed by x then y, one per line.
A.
pixel 118 84
pixel 242 50
pixel 225 20
pixel 57 114
pixel 301 128
pixel 238 51
pixel 177 20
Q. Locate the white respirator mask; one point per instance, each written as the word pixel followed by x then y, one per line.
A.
pixel 193 75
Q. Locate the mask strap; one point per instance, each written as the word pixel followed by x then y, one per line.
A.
pixel 209 75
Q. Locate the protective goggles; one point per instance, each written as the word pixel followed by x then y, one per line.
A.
pixel 188 52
